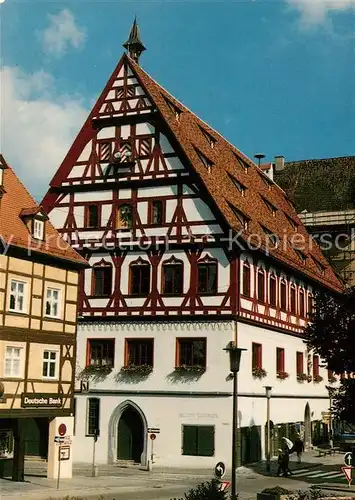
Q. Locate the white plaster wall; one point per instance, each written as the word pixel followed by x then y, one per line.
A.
pixel 169 412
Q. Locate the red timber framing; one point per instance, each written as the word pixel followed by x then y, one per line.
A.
pixel 130 153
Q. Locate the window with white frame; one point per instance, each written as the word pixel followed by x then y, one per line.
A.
pixel 53 302
pixel 38 229
pixel 17 296
pixel 13 357
pixel 49 364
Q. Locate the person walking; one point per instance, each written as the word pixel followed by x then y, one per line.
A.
pixel 283 460
pixel 298 447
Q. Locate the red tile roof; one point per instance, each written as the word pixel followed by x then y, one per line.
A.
pixel 217 162
pixel 16 203
pixel 227 160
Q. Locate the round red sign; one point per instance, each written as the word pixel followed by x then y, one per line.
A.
pixel 62 429
pixel 152 437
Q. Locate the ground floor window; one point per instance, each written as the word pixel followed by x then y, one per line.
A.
pixel 93 417
pixel 198 440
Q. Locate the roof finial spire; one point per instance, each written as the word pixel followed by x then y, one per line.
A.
pixel 134 44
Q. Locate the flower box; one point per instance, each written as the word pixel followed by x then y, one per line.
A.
pixel 317 379
pixel 137 369
pixel 95 372
pixel 259 373
pixel 332 380
pixel 302 377
pixel 190 369
pixel 282 375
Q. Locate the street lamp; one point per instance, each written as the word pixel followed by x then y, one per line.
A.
pixel 234 360
pixel 268 389
pixel 330 421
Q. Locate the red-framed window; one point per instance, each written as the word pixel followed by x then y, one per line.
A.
pixel 299 363
pixel 273 290
pixel 302 308
pixel 261 285
pixel 310 304
pixel 139 352
pixel 257 361
pixel 101 280
pixel 191 352
pixel 140 278
pixel 92 215
pixel 100 352
pixel 207 277
pixel 315 366
pixel 283 295
pixel 173 278
pixel 156 212
pixel 246 279
pixel 293 304
pixel 280 359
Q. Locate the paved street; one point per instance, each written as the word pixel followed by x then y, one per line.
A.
pixel 165 484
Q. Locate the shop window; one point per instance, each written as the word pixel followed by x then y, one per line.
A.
pixel 198 440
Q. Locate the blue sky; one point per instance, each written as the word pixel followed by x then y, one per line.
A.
pixel 273 77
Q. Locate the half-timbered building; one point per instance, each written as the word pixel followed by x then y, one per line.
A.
pixel 191 247
pixel 38 299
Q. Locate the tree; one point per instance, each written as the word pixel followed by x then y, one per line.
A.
pixel 331 334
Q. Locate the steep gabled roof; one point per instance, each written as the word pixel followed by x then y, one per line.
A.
pixel 217 162
pixel 227 160
pixel 16 204
pixel 323 185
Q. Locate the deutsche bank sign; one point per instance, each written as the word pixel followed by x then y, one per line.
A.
pixel 41 400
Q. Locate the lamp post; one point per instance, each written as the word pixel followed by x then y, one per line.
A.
pixel 331 443
pixel 268 389
pixel 234 360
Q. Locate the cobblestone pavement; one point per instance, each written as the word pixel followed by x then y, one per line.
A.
pixel 135 483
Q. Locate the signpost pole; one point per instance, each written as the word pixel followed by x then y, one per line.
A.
pixel 59 462
pixel 94 468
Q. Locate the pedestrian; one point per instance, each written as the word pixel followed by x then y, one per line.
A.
pixel 298 447
pixel 283 460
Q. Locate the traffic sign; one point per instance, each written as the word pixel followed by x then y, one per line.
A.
pixel 224 486
pixel 58 439
pixel 348 459
pixel 154 430
pixel 220 470
pixel 152 436
pixel 348 474
pixel 62 429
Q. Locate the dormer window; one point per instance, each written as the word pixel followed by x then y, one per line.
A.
pixel 35 220
pixel 38 229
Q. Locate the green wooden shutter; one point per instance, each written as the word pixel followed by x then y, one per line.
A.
pixel 189 440
pixel 205 440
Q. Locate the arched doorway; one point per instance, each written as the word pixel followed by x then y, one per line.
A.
pixel 307 428
pixel 130 436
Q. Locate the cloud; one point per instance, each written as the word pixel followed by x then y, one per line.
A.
pixel 62 34
pixel 37 125
pixel 316 11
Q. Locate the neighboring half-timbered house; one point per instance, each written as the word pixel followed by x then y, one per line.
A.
pixel 38 301
pixel 191 246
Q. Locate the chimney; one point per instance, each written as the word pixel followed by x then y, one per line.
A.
pixel 279 163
